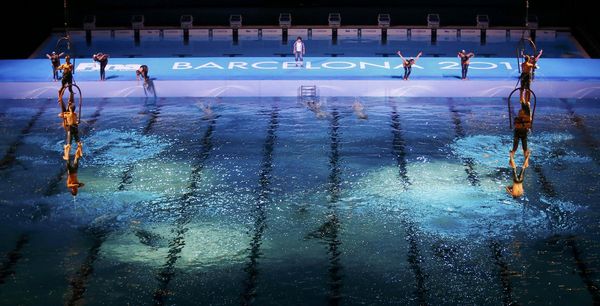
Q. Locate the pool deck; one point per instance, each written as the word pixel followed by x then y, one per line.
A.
pixel 272 76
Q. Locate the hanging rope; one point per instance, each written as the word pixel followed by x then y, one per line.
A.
pixel 526 11
pixel 66 39
pixel 521 49
pixel 66 16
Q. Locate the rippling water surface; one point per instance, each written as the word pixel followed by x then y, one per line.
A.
pixel 267 201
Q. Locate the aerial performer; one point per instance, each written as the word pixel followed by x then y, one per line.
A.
pixel 67 76
pixel 527 68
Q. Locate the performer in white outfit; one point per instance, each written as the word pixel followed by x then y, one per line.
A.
pixel 298 51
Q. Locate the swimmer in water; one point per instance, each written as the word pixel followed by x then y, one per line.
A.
pixel 359 110
pixel 315 107
pixel 206 109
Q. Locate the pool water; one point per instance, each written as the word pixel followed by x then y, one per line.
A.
pixel 263 200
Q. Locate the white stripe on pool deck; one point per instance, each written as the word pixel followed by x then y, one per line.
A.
pixel 289 88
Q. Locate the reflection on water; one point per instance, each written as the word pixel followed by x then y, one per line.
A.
pixel 257 201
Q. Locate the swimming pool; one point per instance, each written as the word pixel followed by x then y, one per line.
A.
pixel 229 200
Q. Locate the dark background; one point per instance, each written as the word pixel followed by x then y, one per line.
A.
pixel 28 25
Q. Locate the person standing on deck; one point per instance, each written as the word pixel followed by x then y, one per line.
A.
pixel 408 63
pixel 142 72
pixel 465 59
pixel 103 60
pixel 298 50
pixel 55 61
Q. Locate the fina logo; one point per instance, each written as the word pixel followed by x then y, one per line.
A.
pixel 109 67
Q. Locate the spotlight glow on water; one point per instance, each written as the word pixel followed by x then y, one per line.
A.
pixel 492 151
pixel 205 244
pixel 442 202
pixel 123 147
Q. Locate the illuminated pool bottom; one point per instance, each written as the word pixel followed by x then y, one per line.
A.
pixel 268 201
